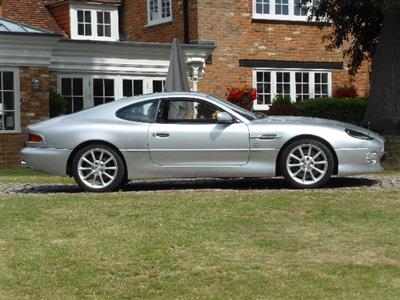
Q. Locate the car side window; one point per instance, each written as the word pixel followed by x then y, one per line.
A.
pixel 188 111
pixel 144 112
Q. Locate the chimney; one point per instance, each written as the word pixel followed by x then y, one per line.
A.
pixel 1 8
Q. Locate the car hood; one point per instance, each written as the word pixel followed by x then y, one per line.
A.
pixel 290 120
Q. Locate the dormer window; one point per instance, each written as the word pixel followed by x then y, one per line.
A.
pixel 104 23
pixel 286 10
pixel 94 22
pixel 84 22
pixel 159 11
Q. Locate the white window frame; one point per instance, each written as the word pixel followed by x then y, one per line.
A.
pixel 292 72
pixel 85 84
pixel 150 87
pixel 160 19
pixel 120 83
pixel 273 16
pixel 17 106
pixel 117 89
pixel 113 10
pixel 59 85
pixel 103 24
pixel 88 97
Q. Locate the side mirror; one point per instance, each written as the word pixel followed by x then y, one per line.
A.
pixel 224 118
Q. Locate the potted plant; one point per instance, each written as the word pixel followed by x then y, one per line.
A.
pixel 243 97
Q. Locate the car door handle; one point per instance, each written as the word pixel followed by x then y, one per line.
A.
pixel 162 135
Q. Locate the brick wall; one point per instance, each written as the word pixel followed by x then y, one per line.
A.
pixel 134 23
pixel 237 36
pixel 229 24
pixel 34 108
pixel 61 15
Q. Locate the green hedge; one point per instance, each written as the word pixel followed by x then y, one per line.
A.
pixel 346 110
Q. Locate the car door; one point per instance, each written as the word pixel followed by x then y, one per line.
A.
pixel 187 133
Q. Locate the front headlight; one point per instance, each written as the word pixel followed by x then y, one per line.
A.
pixel 358 135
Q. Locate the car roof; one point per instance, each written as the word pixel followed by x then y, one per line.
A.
pixel 113 106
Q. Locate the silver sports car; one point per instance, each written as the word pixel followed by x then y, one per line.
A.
pixel 196 135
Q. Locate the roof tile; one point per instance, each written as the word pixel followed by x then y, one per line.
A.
pixel 30 12
pixel 53 2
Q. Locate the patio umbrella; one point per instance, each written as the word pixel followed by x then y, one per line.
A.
pixel 177 82
pixel 177 79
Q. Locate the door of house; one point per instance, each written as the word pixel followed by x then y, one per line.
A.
pixel 85 91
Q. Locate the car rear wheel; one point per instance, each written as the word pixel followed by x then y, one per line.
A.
pixel 98 168
pixel 306 164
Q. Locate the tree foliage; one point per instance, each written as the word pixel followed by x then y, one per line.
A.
pixel 368 30
pixel 356 25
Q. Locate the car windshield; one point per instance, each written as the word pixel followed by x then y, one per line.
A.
pixel 241 111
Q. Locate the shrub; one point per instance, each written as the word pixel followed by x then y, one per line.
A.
pixel 346 110
pixel 346 92
pixel 280 100
pixel 58 104
pixel 282 106
pixel 283 110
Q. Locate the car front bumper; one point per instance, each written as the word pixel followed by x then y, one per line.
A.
pixel 48 160
pixel 360 161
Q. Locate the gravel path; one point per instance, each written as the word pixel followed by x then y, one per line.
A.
pixel 358 182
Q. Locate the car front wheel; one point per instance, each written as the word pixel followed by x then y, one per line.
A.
pixel 307 163
pixel 98 168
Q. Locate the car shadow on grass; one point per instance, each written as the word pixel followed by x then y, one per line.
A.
pixel 269 184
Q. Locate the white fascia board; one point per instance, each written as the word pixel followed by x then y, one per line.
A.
pixel 26 49
pixel 117 58
pixel 109 66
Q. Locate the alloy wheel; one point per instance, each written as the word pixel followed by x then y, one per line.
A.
pixel 307 164
pixel 97 168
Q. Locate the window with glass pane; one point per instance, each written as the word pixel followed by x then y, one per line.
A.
pixel 104 23
pixel 7 101
pixel 165 8
pixel 132 87
pixel 262 6
pixel 283 83
pixel 264 88
pixel 321 85
pixel 84 22
pixel 158 86
pixel 159 10
pixel 103 91
pixel 282 7
pixel 302 86
pixel 153 10
pixel 72 90
pixel 299 9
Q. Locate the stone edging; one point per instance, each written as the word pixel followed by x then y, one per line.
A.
pixel 379 182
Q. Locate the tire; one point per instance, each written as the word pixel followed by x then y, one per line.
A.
pixel 307 164
pixel 98 168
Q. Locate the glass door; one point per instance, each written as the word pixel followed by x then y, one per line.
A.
pixel 132 87
pixel 103 91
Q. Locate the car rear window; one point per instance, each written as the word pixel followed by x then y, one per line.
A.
pixel 144 112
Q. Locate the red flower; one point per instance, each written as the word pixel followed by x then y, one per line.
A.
pixel 243 97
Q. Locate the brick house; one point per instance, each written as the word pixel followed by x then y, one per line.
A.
pixel 267 44
pixel 77 49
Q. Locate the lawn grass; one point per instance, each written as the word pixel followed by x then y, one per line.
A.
pixel 25 175
pixel 200 244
